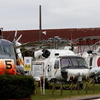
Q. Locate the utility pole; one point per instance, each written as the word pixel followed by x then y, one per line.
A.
pixel 40 23
pixel 1 33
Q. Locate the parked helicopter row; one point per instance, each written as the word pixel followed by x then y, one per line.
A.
pixel 67 66
pixel 59 65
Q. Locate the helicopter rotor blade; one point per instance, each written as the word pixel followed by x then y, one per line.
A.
pixel 19 38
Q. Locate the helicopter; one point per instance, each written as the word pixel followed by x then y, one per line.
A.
pixel 7 56
pixel 59 66
pixel 92 58
pixel 91 53
pixel 11 61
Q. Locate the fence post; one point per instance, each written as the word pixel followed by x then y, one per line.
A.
pixel 86 87
pixel 78 87
pixel 71 88
pixel 93 86
pixel 61 89
pixel 53 87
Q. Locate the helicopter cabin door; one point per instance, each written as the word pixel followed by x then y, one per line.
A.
pixel 49 69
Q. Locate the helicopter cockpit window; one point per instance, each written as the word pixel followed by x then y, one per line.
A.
pixel 56 66
pixel 81 62
pixel 7 48
pixel 73 62
pixel 66 62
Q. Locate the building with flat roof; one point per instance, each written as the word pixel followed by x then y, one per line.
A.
pixel 70 33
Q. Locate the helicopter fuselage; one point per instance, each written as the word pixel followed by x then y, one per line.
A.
pixel 63 66
pixel 7 57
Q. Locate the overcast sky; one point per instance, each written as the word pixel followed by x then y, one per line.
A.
pixel 56 14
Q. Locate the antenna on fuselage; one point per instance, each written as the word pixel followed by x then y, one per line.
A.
pixel 1 33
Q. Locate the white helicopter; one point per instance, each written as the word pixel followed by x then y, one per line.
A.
pixel 92 57
pixel 93 60
pixel 60 66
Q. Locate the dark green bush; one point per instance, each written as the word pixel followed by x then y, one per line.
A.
pixel 16 86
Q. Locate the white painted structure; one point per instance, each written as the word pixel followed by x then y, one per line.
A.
pixel 93 60
pixel 62 65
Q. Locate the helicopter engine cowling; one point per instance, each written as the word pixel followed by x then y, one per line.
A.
pixel 40 54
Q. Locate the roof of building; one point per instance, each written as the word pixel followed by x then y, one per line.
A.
pixel 33 35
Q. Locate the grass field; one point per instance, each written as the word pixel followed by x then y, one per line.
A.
pixel 57 92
